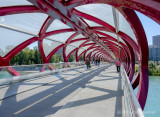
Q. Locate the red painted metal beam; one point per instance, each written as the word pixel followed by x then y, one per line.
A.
pixel 135 23
pixel 20 47
pixel 71 37
pixel 47 34
pixel 74 24
pixel 71 52
pixel 150 8
pixel 54 51
pixel 45 26
pixel 5 60
pixel 12 71
pixel 19 9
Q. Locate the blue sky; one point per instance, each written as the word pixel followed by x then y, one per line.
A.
pixel 151 27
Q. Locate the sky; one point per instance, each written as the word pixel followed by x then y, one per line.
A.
pixel 151 27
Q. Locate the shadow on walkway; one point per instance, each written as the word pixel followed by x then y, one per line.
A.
pixel 48 98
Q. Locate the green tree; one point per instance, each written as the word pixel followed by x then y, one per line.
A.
pixel 81 58
pixel 27 56
pixel 72 58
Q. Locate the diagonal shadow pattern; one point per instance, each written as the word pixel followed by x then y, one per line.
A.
pixel 42 103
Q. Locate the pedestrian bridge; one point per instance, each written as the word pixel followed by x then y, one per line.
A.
pixel 75 92
pixel 80 28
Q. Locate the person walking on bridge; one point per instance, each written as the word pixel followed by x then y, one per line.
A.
pixel 87 63
pixel 98 62
pixel 118 64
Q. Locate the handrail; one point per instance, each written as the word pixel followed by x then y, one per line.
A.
pixel 75 65
pixel 35 75
pixel 132 106
pixel 43 64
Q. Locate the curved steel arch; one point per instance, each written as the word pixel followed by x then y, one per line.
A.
pixel 19 9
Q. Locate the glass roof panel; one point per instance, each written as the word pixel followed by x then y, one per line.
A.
pixel 108 33
pixel 57 25
pixel 121 40
pixel 125 27
pixel 69 48
pixel 89 42
pixel 78 37
pixel 112 35
pixel 80 51
pixel 30 22
pixel 94 52
pixel 96 55
pixel 111 41
pixel 101 35
pixel 61 37
pixel 91 50
pixel 49 46
pixel 77 43
pixel 101 11
pixel 4 3
pixel 7 40
pixel 91 23
pixel 86 47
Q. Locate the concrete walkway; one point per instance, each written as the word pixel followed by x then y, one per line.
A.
pixel 78 93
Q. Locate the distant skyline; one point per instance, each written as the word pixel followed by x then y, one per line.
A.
pixel 151 27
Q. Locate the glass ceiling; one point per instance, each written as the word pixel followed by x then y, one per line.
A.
pixel 91 23
pixel 94 52
pixel 110 34
pixel 80 50
pixel 78 37
pixel 49 46
pixel 100 11
pixel 86 47
pixel 7 40
pixel 77 43
pixel 57 25
pixel 4 3
pixel 61 37
pixel 17 28
pixel 89 42
pixel 69 49
pixel 125 27
pixel 30 22
pixel 89 51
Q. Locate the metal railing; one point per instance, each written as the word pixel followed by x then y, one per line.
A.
pixel 35 70
pixel 131 104
pixel 38 70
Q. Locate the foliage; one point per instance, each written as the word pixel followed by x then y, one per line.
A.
pixel 56 58
pixel 81 58
pixel 72 58
pixel 153 68
pixel 136 68
pixel 32 56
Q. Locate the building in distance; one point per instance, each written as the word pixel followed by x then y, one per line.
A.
pixel 156 41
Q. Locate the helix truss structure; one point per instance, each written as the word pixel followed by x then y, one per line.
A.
pixel 105 29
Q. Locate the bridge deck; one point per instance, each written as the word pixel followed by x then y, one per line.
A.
pixel 78 93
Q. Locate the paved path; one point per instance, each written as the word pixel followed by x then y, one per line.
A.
pixel 78 93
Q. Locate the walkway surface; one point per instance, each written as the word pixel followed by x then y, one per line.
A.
pixel 77 93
